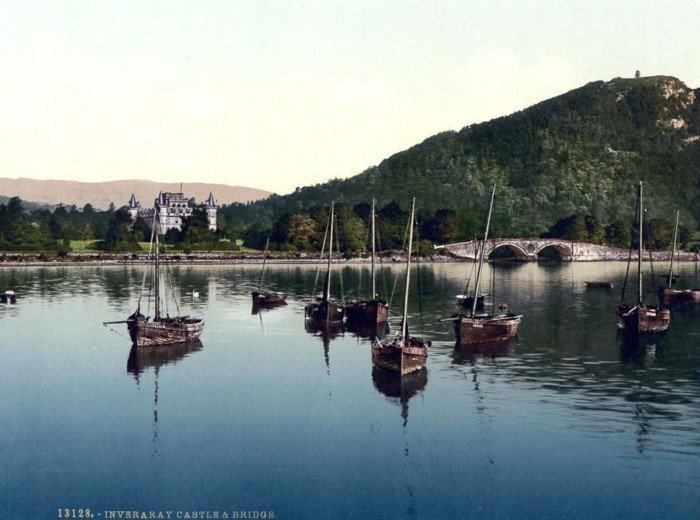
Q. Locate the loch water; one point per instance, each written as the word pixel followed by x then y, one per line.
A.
pixel 569 420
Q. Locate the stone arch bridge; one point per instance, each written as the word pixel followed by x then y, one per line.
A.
pixel 528 249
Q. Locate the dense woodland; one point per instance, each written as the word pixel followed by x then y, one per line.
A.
pixel 567 167
pixel 578 154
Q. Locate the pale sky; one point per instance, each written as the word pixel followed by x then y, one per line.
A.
pixel 279 94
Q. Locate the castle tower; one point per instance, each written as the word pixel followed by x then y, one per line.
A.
pixel 210 204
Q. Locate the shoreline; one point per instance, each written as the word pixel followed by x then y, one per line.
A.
pixel 103 259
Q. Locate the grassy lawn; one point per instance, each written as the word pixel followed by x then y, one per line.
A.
pixel 88 246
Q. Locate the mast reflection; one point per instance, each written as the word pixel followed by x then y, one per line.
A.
pixel 327 331
pixel 399 389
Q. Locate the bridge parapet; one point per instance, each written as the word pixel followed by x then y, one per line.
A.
pixel 527 249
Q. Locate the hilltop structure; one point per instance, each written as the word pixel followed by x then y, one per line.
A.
pixel 174 208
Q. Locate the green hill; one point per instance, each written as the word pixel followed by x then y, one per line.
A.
pixel 579 153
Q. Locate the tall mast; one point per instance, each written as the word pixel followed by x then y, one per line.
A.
pixel 481 253
pixel 157 263
pixel 262 274
pixel 374 288
pixel 404 326
pixel 327 285
pixel 673 253
pixel 641 245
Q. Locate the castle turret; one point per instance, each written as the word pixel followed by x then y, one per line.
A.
pixel 210 204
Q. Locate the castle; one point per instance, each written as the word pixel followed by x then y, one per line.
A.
pixel 173 208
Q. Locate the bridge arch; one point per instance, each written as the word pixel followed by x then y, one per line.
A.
pixel 519 252
pixel 562 249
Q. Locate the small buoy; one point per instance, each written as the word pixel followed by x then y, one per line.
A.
pixel 195 294
pixel 502 305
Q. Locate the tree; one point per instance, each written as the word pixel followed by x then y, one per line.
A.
pixel 119 236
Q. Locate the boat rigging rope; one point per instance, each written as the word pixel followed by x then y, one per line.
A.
pixel 172 288
pixel 145 271
pixel 396 276
pixel 629 257
pixel 473 269
pixel 379 256
pixel 651 258
pixel 318 266
pixel 337 247
pixel 116 332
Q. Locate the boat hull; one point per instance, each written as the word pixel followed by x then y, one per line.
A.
pixel 600 285
pixel 398 356
pixel 643 320
pixel 667 295
pixel 371 312
pixel 328 312
pixel 269 298
pixel 486 329
pixel 169 331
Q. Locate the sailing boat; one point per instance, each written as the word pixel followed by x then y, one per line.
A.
pixel 641 318
pixel 261 297
pixel 325 310
pixel 160 330
pixel 668 294
pixel 484 328
pixel 402 353
pixel 372 311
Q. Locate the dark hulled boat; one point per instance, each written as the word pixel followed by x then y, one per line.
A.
pixel 267 298
pixel 669 294
pixel 599 284
pixel 145 331
pixel 641 318
pixel 373 311
pixel 480 328
pixel 402 353
pixel 324 309
pixel 8 297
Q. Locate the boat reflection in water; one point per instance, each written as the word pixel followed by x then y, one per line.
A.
pixel 468 353
pixel 143 358
pixel 634 349
pixel 257 309
pixel 398 388
pixel 156 356
pixel 370 331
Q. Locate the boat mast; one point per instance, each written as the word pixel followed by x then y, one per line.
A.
pixel 327 284
pixel 374 289
pixel 673 253
pixel 404 325
pixel 641 245
pixel 156 224
pixel 481 253
pixel 262 274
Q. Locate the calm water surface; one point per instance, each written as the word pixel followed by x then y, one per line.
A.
pixel 568 421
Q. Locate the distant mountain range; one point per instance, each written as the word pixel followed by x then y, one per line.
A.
pixel 582 152
pixel 101 194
